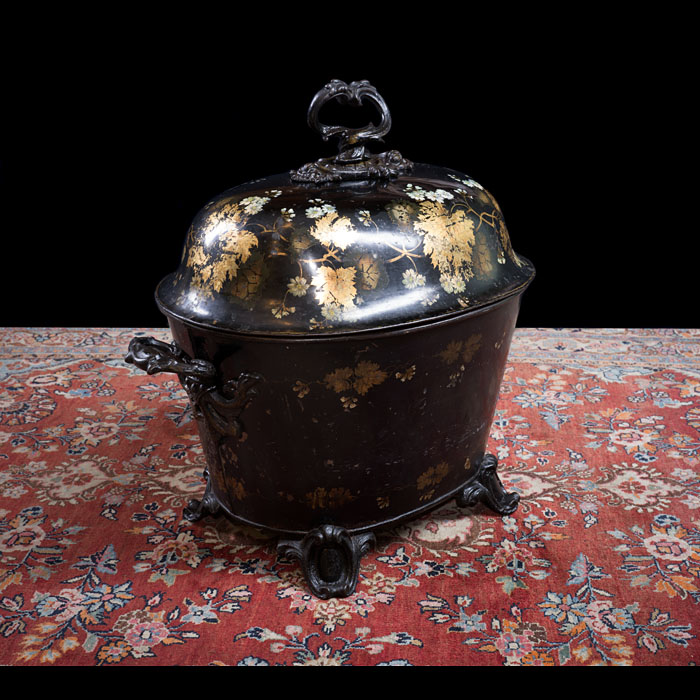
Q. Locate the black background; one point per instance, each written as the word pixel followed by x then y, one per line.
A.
pixel 113 140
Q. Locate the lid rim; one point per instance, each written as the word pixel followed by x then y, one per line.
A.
pixel 345 332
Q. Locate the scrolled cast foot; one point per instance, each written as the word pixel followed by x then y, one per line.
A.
pixel 485 486
pixel 330 559
pixel 208 505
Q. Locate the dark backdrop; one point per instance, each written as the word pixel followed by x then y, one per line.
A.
pixel 108 154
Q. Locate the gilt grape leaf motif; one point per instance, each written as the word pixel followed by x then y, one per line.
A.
pixel 448 238
pixel 333 230
pixel 433 244
pixel 335 288
pixel 362 378
pixel 232 243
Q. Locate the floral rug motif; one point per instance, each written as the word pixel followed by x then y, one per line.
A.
pixel 598 430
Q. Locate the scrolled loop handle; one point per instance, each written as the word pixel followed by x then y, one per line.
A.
pixel 354 161
pixel 351 140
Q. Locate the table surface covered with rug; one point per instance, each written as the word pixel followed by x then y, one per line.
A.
pixel 598 430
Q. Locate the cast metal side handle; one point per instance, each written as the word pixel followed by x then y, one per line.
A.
pixel 220 405
pixel 354 161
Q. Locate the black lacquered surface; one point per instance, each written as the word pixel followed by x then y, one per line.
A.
pixel 353 432
pixel 279 257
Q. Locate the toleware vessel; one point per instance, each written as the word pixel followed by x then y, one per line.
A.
pixel 341 331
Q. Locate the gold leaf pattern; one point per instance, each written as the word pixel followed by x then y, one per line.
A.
pixel 197 258
pixel 448 238
pixel 339 380
pixel 443 237
pixel 471 345
pixel 333 230
pixel 431 478
pixel 362 378
pixel 301 389
pixel 406 375
pixel 230 247
pixel 348 402
pixel 451 353
pixel 367 375
pixel 335 287
pixel 228 215
pixel 238 244
pixel 331 498
pixel 461 349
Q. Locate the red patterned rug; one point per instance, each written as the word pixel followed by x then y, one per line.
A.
pixel 598 430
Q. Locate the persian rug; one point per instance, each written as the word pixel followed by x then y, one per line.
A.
pixel 598 430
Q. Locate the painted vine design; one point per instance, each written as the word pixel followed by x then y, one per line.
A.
pixel 438 226
pixel 354 382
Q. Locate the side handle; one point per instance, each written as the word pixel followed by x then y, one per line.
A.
pixel 220 405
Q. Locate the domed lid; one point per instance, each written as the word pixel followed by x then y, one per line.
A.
pixel 350 243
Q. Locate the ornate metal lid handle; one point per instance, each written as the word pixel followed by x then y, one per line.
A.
pixel 354 161
pixel 352 141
